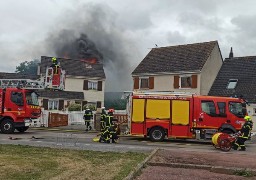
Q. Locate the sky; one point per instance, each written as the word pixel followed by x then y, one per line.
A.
pixel 123 31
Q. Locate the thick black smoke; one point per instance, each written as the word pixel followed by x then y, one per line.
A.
pixel 90 31
pixel 81 48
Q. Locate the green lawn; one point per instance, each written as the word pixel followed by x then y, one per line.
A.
pixel 25 162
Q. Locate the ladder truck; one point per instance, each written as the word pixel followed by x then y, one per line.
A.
pixel 19 99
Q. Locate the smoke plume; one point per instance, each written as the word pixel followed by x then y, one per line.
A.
pixel 90 31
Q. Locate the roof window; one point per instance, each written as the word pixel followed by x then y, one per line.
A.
pixel 232 83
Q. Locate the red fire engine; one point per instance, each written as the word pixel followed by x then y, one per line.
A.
pixel 180 115
pixel 19 100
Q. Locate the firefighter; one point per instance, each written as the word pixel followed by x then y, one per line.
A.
pixel 245 134
pixel 87 119
pixel 112 127
pixel 103 116
pixel 55 65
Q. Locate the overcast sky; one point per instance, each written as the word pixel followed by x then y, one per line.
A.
pixel 28 26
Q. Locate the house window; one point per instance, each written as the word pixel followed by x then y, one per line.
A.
pixel 232 83
pixel 53 104
pixel 185 82
pixel 92 85
pixel 144 83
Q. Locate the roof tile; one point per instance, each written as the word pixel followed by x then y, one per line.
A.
pixel 187 57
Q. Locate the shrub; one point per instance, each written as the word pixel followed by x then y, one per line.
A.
pixel 74 107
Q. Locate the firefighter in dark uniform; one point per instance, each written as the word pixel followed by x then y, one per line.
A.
pixel 245 134
pixel 112 127
pixel 87 119
pixel 103 116
pixel 55 65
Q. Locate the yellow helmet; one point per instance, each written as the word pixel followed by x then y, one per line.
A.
pixel 247 118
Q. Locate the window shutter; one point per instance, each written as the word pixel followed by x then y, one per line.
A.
pixel 45 104
pixel 194 81
pixel 98 104
pixel 151 82
pixel 99 85
pixel 136 83
pixel 61 105
pixel 176 82
pixel 85 85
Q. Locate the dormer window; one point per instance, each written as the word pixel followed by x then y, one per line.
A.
pixel 232 83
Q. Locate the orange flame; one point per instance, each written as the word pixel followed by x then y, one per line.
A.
pixel 89 60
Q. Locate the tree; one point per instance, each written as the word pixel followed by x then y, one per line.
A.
pixel 28 67
pixel 118 104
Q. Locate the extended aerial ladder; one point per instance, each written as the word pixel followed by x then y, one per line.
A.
pixel 54 78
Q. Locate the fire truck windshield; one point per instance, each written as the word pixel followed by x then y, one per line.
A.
pixel 32 98
pixel 236 108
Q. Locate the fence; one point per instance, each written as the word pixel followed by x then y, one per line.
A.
pixel 56 120
pixel 61 118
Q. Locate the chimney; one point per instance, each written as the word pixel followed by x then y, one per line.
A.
pixel 231 55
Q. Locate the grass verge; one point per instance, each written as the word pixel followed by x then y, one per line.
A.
pixel 25 162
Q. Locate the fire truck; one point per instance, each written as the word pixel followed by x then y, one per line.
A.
pixel 161 115
pixel 19 99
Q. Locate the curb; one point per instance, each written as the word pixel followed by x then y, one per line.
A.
pixel 216 169
pixel 69 130
pixel 141 165
pixel 63 130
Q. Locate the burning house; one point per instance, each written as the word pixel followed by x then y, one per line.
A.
pixel 85 83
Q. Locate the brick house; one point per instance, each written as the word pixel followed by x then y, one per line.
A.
pixel 184 68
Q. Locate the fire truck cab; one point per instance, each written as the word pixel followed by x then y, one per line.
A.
pixel 19 100
pixel 17 109
pixel 180 115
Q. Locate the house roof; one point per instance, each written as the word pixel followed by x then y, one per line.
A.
pixel 188 57
pixel 242 69
pixel 75 67
pixel 4 75
pixel 61 94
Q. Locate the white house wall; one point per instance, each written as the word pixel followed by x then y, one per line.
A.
pixel 166 83
pixel 210 70
pixel 75 84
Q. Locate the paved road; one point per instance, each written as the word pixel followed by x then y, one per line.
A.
pixel 78 140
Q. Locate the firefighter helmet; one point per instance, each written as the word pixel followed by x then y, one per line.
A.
pixel 247 118
pixel 111 110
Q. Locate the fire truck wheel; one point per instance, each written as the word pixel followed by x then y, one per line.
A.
pixel 22 129
pixel 157 134
pixel 7 126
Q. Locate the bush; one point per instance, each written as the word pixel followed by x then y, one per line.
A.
pixel 90 106
pixel 74 107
